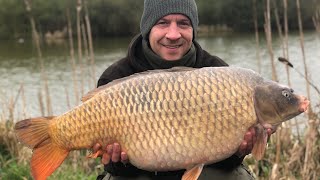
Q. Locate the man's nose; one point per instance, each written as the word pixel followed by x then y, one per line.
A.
pixel 173 32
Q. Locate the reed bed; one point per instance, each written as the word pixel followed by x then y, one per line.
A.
pixel 292 164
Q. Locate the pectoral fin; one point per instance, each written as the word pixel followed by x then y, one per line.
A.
pixel 193 173
pixel 260 145
pixel 95 155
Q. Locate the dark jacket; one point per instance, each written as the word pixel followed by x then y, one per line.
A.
pixel 135 62
pixel 132 64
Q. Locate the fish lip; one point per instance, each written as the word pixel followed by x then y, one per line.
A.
pixel 304 106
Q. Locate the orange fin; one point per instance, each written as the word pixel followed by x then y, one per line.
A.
pixel 193 173
pixel 261 142
pixel 32 132
pixel 46 156
pixel 95 155
pixel 46 159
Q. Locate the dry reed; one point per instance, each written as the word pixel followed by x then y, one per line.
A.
pixel 72 58
pixel 268 33
pixel 303 53
pixel 8 139
pixel 79 8
pixel 255 21
pixel 86 53
pixel 316 19
pixel 91 50
pixel 308 166
pixel 36 39
pixel 286 54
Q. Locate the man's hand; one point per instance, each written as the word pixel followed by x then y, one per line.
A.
pixel 110 152
pixel 248 142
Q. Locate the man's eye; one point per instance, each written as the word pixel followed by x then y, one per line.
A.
pixel 162 23
pixel 184 24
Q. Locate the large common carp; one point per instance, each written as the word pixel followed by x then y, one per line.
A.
pixel 181 118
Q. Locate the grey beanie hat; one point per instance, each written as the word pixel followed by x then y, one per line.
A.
pixel 156 9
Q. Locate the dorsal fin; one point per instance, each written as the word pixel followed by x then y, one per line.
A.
pixel 93 92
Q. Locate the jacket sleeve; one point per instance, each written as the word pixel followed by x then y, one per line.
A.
pixel 228 164
pixel 128 170
pixel 117 70
pixel 123 170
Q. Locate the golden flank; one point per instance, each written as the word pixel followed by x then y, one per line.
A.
pixel 181 118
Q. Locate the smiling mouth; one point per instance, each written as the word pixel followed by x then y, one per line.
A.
pixel 172 47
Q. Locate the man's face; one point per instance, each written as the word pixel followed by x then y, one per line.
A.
pixel 171 37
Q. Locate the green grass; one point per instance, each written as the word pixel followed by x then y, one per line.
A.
pixel 66 172
pixel 11 169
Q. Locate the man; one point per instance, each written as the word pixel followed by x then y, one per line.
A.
pixel 167 39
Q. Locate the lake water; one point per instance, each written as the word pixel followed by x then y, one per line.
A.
pixel 19 67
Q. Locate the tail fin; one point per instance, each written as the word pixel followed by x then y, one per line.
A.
pixel 47 156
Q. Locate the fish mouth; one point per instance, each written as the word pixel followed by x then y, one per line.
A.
pixel 304 104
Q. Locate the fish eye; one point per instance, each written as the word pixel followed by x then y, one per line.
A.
pixel 286 93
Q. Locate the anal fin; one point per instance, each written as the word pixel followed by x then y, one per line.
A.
pixel 193 173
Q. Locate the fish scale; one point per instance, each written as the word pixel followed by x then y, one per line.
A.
pixel 164 119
